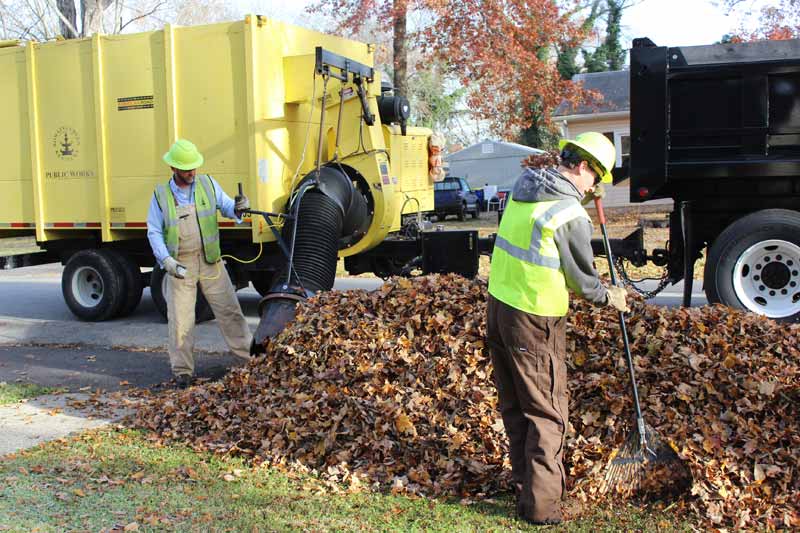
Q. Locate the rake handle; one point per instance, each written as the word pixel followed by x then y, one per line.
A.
pixel 639 419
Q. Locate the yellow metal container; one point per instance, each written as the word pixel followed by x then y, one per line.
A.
pixel 86 122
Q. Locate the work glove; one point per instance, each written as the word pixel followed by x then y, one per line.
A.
pixel 617 297
pixel 598 192
pixel 242 204
pixel 174 268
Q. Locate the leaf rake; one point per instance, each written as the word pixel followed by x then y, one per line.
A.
pixel 643 461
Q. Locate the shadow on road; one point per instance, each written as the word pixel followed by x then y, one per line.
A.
pixel 77 368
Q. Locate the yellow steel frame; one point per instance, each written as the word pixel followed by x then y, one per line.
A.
pixel 257 105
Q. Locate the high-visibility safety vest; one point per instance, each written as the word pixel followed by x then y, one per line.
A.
pixel 526 268
pixel 205 204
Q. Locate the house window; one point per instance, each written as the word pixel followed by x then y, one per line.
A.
pixel 625 150
pixel 622 142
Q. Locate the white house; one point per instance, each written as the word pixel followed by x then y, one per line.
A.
pixel 489 162
pixel 609 116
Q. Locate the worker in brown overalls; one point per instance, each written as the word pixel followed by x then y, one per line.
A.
pixel 542 251
pixel 184 234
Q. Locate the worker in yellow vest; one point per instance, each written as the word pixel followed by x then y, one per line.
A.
pixel 184 235
pixel 542 251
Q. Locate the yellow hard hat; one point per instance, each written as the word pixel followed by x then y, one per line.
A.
pixel 183 155
pixel 599 148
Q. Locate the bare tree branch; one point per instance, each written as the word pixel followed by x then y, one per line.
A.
pixel 143 15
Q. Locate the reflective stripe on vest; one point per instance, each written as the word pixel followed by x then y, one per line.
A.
pixel 526 267
pixel 205 204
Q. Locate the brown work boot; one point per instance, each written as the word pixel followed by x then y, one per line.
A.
pixel 183 381
pixel 543 519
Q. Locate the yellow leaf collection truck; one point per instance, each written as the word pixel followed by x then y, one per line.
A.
pixel 300 119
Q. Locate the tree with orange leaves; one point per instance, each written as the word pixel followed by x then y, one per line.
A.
pixel 501 50
pixel 777 21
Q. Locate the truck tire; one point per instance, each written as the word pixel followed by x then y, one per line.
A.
pixel 92 284
pixel 754 264
pixel 462 212
pixel 158 291
pixel 131 282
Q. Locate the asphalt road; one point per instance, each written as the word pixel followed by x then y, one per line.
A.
pixel 82 368
pixel 33 311
pixel 74 354
pixel 42 342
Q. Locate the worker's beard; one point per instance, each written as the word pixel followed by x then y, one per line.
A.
pixel 183 182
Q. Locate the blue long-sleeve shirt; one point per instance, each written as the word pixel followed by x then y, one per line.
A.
pixel 183 196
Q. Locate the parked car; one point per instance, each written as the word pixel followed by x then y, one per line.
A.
pixel 454 197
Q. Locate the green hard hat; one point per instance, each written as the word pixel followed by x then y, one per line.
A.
pixel 599 148
pixel 183 155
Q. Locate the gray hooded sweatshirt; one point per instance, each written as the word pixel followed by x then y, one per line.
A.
pixel 573 239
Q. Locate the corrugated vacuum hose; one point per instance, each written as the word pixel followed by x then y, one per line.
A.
pixel 326 208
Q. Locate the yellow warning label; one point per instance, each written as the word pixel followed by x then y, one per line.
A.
pixel 118 214
pixel 135 102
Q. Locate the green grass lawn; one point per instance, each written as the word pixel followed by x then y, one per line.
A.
pixel 15 392
pixel 116 478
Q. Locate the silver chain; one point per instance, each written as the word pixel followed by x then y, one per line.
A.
pixel 628 282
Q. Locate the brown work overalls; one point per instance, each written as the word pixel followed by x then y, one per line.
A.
pixel 530 373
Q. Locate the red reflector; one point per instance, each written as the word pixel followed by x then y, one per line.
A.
pixel 643 192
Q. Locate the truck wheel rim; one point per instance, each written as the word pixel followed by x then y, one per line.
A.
pixel 87 287
pixel 766 278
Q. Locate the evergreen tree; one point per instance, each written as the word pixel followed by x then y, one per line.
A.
pixel 566 62
pixel 540 134
pixel 567 59
pixel 610 55
pixel 595 61
pixel 615 53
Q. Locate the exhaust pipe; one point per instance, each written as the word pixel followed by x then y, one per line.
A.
pixel 329 211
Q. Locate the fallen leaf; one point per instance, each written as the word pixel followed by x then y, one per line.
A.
pixel 393 387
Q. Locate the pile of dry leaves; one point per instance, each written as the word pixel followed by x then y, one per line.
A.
pixel 392 388
pixel 721 385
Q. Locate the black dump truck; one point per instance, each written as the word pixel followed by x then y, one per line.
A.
pixel 717 129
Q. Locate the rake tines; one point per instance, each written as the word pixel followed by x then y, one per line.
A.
pixel 643 463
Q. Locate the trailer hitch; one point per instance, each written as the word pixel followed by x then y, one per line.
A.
pixel 660 257
pixel 630 248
